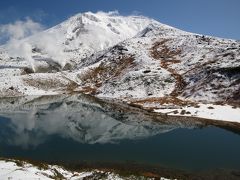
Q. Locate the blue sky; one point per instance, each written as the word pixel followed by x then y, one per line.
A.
pixel 211 17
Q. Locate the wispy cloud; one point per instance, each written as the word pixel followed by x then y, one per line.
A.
pixel 15 32
pixel 20 29
pixel 18 46
pixel 48 43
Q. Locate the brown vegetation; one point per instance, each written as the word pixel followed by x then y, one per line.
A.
pixel 44 84
pixel 95 77
pixel 170 100
pixel 89 90
pixel 160 51
pixel 104 70
pixel 54 83
pixel 164 100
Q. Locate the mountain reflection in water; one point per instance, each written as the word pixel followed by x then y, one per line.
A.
pixel 30 120
pixel 80 129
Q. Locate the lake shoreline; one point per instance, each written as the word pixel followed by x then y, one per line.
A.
pixel 98 119
pixel 122 170
pixel 200 111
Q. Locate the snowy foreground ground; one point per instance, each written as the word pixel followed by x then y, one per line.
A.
pixel 25 171
pixel 208 111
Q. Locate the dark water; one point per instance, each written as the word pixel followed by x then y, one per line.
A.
pixel 76 129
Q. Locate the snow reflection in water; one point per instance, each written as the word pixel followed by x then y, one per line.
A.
pixel 81 128
pixel 79 117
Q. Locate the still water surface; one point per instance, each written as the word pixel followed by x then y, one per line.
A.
pixel 79 129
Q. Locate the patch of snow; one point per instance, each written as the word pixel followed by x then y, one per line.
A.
pixel 9 169
pixel 208 111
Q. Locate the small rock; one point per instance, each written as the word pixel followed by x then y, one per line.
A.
pixel 210 107
pixel 183 112
pixel 146 71
pixel 11 88
pixel 175 112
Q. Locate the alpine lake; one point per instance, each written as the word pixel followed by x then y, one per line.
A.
pixel 80 131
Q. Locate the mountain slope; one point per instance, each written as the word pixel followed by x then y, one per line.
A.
pixel 166 62
pixel 134 59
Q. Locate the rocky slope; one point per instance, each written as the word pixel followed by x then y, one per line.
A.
pixel 165 62
pixel 134 59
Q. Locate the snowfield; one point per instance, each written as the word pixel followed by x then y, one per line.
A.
pixel 129 58
pixel 12 170
pixel 208 111
pixel 20 170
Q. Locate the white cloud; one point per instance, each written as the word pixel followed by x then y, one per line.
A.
pixel 15 32
pixel 48 43
pixel 20 29
pixel 17 46
pixel 110 13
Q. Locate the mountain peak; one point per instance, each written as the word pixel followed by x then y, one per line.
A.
pixel 87 33
pixel 158 29
pixel 112 16
pixel 125 57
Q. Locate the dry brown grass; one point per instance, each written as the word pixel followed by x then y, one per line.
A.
pixel 51 84
pixel 44 84
pixel 71 86
pixel 167 57
pixel 89 90
pixel 95 77
pixel 180 83
pixel 151 175
pixel 161 101
pixel 104 70
pixel 159 50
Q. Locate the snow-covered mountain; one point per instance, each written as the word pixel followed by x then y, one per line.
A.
pixel 81 36
pixel 134 59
